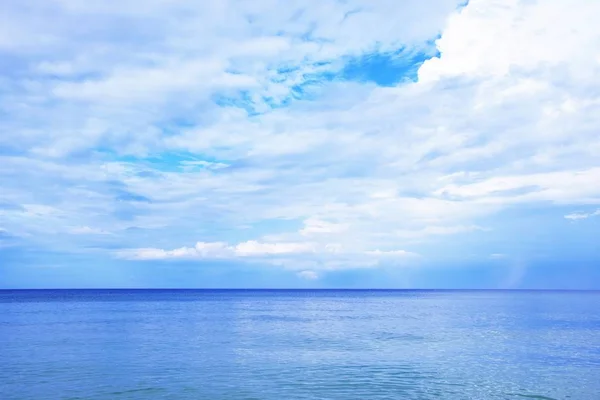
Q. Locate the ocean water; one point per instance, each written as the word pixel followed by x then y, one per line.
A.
pixel 274 345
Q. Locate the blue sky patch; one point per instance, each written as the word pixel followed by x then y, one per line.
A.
pixel 384 69
pixel 169 162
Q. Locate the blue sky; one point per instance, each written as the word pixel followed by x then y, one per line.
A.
pixel 300 144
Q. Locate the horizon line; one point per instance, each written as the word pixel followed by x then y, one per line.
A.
pixel 308 289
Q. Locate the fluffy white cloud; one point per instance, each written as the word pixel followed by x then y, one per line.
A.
pixel 500 38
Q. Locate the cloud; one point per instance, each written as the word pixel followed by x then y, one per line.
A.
pixel 436 230
pixel 391 253
pixel 146 85
pixel 496 38
pixel 498 256
pixel 86 230
pixel 203 164
pixel 577 216
pixel 254 248
pixel 314 226
pixel 561 187
pixel 288 254
pixel 201 118
pixel 310 275
pixel 250 248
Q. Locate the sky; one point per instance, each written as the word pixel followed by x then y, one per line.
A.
pixel 300 144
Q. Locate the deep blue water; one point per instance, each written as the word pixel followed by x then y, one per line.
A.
pixel 277 345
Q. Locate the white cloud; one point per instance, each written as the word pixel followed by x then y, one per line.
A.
pixel 86 230
pixel 204 164
pixel 250 248
pixel 498 37
pixel 310 275
pixel 314 226
pixel 563 186
pixel 143 84
pixel 391 253
pixel 506 116
pixel 576 216
pixel 436 230
pixel 287 254
pixel 176 57
pixel 40 210
pixel 254 248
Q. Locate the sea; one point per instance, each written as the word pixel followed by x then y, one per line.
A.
pixel 299 344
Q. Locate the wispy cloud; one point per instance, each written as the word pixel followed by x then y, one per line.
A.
pixel 498 256
pixel 310 275
pixel 576 216
pixel 86 230
pixel 290 254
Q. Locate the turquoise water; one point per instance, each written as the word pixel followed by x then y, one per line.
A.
pixel 299 345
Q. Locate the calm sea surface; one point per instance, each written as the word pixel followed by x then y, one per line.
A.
pixel 274 345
